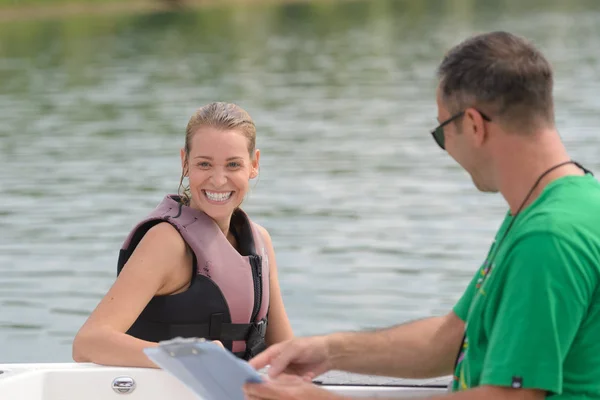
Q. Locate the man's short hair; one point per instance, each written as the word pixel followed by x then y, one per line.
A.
pixel 503 75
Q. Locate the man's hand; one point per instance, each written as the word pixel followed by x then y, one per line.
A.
pixel 288 387
pixel 306 357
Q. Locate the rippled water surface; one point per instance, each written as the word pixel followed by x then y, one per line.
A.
pixel 372 224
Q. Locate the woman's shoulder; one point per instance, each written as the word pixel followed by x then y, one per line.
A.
pixel 163 254
pixel 163 237
pixel 263 232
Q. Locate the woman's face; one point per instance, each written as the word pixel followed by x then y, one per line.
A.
pixel 219 169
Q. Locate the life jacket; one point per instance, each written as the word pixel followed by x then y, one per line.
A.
pixel 228 296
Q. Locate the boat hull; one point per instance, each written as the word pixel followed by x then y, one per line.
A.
pixel 73 381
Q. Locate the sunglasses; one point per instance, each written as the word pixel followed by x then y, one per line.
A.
pixel 438 133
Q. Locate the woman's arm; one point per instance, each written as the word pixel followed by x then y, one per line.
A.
pixel 279 328
pixel 160 264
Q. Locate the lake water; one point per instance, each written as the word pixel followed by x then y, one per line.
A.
pixel 372 223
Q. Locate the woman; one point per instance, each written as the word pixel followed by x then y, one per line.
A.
pixel 196 266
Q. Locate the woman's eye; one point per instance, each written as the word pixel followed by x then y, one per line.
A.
pixel 234 164
pixel 203 164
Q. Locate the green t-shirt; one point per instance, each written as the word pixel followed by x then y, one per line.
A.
pixel 534 321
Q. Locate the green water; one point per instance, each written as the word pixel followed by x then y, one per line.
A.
pixel 372 224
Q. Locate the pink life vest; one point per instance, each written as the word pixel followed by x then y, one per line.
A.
pixel 228 297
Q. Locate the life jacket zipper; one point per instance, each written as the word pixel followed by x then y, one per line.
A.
pixel 255 263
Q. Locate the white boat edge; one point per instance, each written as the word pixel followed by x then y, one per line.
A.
pixel 76 381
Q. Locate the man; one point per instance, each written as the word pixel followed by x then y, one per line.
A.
pixel 531 315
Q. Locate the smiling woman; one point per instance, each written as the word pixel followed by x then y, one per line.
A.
pixel 196 266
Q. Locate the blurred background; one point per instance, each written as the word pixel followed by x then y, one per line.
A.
pixel 372 223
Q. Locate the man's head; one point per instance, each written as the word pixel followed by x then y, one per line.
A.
pixel 495 85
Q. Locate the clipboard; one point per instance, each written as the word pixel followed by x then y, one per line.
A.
pixel 209 370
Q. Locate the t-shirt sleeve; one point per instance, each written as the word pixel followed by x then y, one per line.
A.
pixel 536 313
pixel 461 308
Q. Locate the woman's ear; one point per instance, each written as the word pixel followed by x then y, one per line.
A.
pixel 255 164
pixel 183 161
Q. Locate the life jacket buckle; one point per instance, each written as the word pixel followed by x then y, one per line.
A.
pixel 261 326
pixel 255 342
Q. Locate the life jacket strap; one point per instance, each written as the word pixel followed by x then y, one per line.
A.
pixel 216 330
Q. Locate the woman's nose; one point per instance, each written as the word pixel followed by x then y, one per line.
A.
pixel 219 178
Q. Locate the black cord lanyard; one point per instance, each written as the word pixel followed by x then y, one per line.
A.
pixel 491 260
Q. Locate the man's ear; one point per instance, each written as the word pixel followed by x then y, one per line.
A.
pixel 475 126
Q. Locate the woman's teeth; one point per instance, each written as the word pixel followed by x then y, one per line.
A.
pixel 214 196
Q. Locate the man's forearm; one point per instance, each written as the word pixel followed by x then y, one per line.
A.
pixel 420 349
